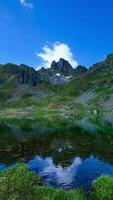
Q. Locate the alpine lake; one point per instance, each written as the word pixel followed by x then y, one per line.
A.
pixel 68 157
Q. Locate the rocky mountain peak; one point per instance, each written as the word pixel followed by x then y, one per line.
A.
pixel 62 66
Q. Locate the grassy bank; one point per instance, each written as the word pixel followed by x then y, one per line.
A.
pixel 18 183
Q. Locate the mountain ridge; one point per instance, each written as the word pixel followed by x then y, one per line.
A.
pixel 60 75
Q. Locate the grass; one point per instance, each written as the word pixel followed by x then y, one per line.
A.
pixel 55 106
pixel 59 105
pixel 103 188
pixel 7 89
pixel 46 112
pixel 18 183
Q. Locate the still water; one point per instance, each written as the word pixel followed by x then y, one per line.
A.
pixel 79 174
pixel 69 160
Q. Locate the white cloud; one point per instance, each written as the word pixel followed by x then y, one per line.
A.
pixel 55 52
pixel 26 4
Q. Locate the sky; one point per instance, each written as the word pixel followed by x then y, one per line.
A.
pixel 36 32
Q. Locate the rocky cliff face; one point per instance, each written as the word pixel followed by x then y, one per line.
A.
pixel 18 81
pixel 62 67
pixel 61 72
pixel 21 74
pixel 28 75
pixel 80 70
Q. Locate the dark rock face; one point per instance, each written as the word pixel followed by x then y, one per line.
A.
pixel 62 67
pixel 28 75
pixel 54 66
pixel 80 70
pixel 22 74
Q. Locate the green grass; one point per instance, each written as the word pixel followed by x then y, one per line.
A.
pixel 18 183
pixel 103 188
pixel 7 89
pixel 46 112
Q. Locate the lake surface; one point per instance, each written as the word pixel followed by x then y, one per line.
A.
pixel 68 160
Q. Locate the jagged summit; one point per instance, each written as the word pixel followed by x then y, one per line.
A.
pixel 61 72
pixel 62 66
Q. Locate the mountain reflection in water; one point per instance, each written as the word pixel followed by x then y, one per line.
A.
pixel 79 174
pixel 68 159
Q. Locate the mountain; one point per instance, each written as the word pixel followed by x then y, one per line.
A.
pixel 62 67
pixel 20 74
pixel 61 72
pixel 19 81
pixel 23 79
pixel 80 70
pixel 96 78
pixel 79 92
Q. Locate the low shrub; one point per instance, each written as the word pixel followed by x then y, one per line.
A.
pixel 103 188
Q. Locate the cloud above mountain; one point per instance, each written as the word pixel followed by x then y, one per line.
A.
pixel 56 51
pixel 26 4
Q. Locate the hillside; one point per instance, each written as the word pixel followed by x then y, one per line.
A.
pixel 82 94
pixel 17 81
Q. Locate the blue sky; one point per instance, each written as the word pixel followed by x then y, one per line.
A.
pixel 34 31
